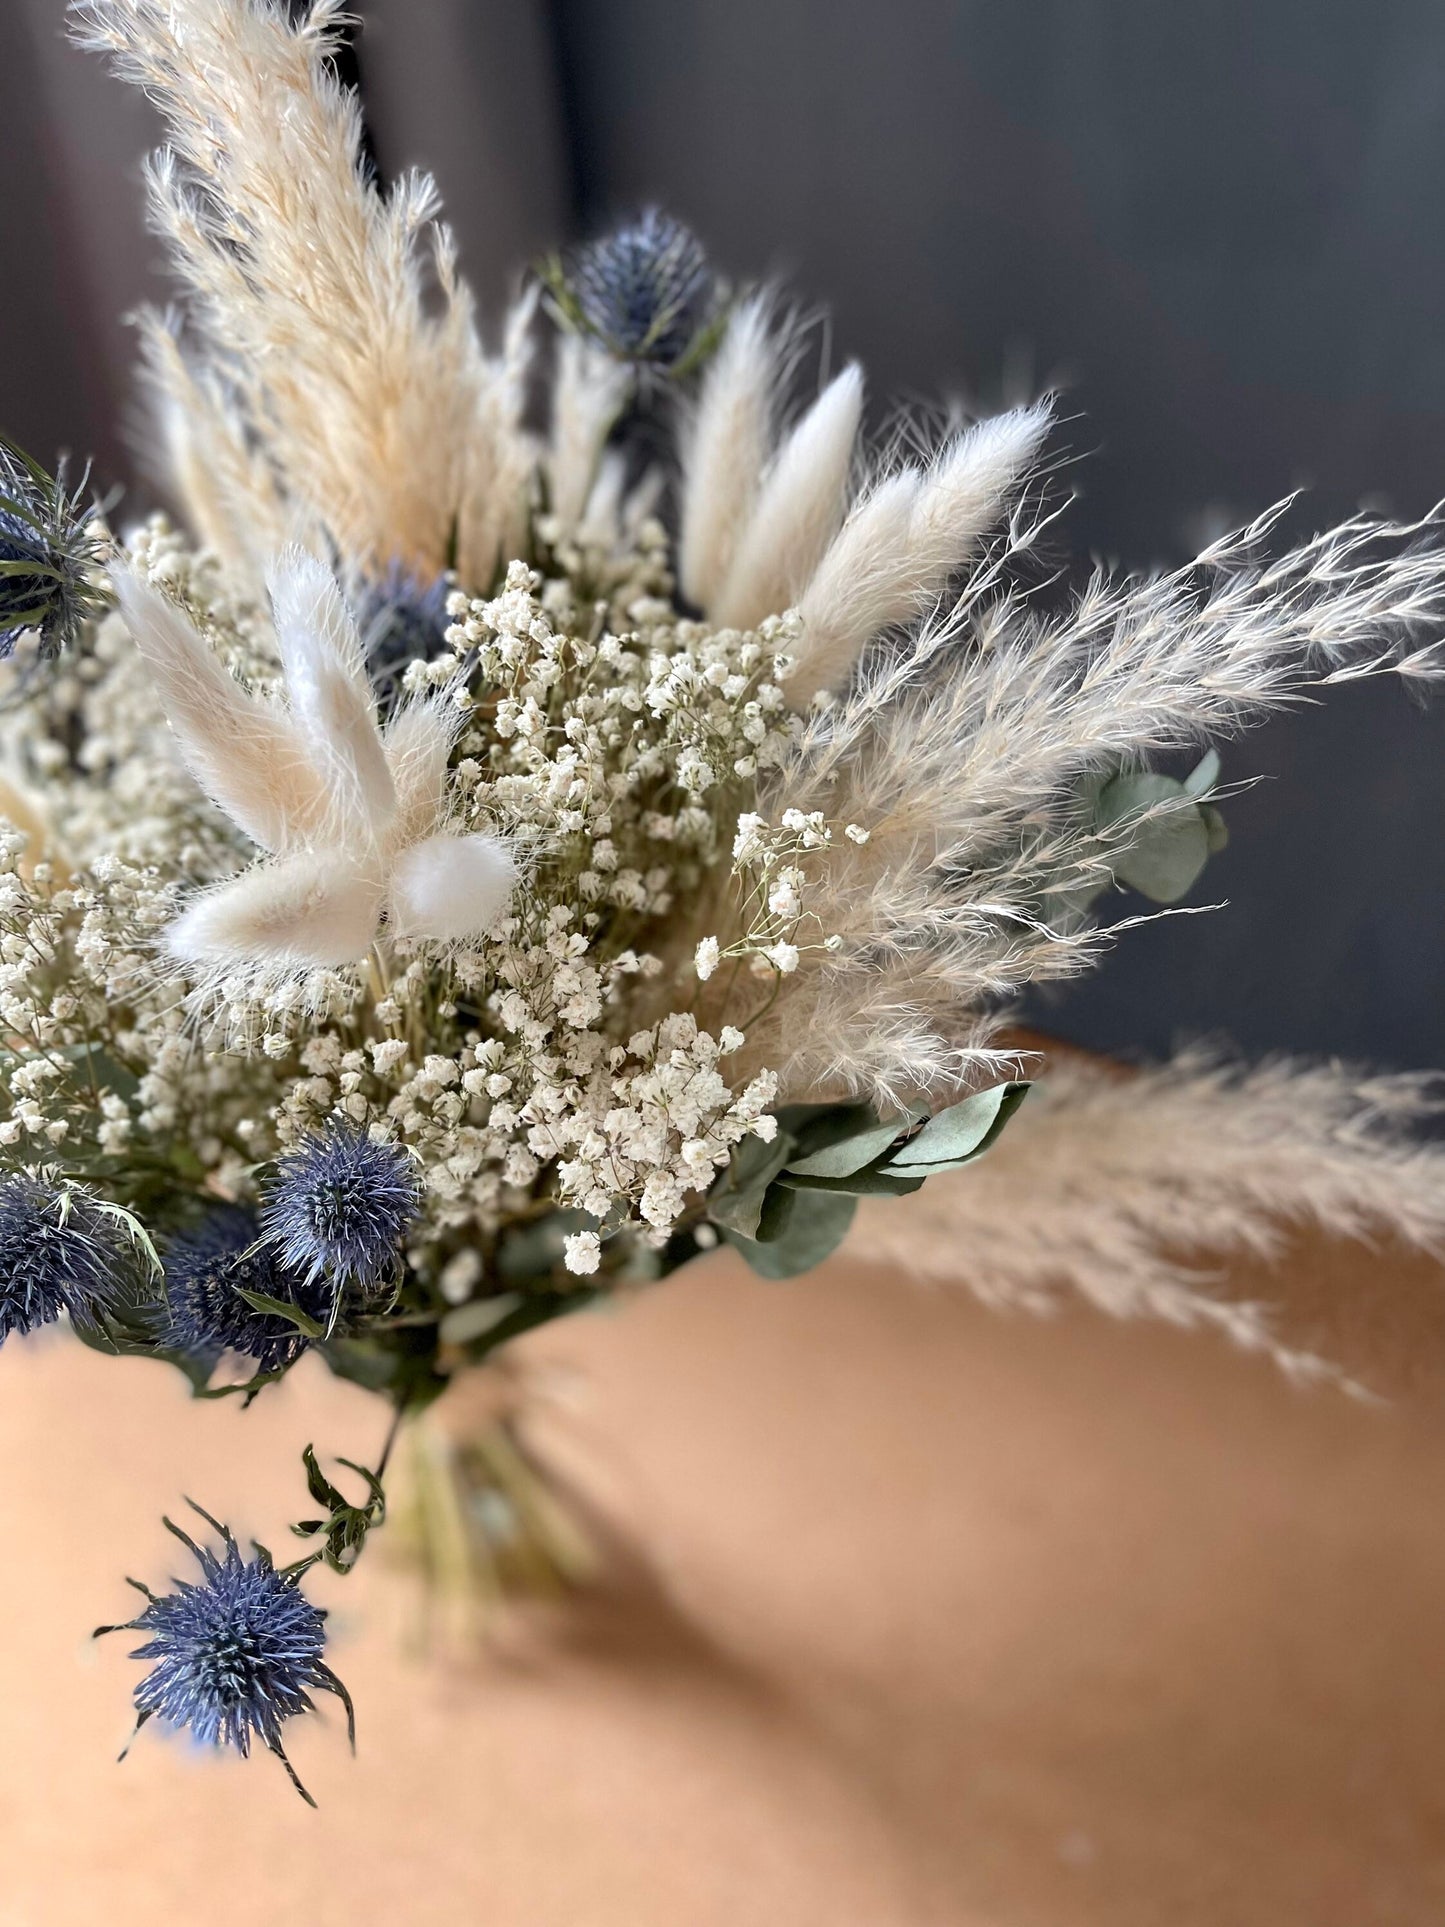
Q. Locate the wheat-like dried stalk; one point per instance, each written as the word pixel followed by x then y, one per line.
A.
pixel 962 751
pixel 338 370
pixel 1124 1187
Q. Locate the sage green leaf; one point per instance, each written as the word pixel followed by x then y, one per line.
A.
pixel 963 1132
pixel 1132 793
pixel 1166 861
pixel 1166 852
pixel 1202 778
pixel 527 1252
pixel 463 1323
pixel 282 1308
pixel 874 1180
pixel 865 1138
pixel 735 1202
pixel 816 1224
pixel 1215 828
pixel 812 1126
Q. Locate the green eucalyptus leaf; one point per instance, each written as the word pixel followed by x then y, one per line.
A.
pixel 465 1322
pixel 736 1200
pixel 1215 828
pixel 1166 861
pixel 1167 851
pixel 815 1224
pixel 776 1214
pixel 282 1308
pixel 959 1134
pixel 1202 778
pixel 860 1140
pixel 874 1180
pixel 527 1252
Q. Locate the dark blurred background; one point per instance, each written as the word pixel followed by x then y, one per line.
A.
pixel 1219 226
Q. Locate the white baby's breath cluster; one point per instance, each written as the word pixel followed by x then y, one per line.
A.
pixel 613 758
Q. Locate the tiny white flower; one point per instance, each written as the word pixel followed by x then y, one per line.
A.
pixel 582 1252
pixel 706 959
pixel 783 957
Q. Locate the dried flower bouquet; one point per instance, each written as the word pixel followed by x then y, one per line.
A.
pixel 483 863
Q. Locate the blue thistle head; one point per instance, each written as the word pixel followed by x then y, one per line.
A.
pixel 237 1654
pixel 60 1251
pixel 340 1205
pixel 206 1272
pixel 48 556
pixel 402 620
pixel 645 291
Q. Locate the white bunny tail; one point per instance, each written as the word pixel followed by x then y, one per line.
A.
pixel 331 697
pixel 247 755
pixel 799 509
pixel 418 741
pixel 451 889
pixel 313 908
pixel 861 588
pixel 726 448
pixel 894 555
pixel 968 489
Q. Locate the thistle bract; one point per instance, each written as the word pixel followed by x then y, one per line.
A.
pixel 47 556
pixel 402 621
pixel 644 290
pixel 340 1206
pixel 237 1654
pixel 60 1251
pixel 207 1272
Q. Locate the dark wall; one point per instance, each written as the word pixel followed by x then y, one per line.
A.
pixel 1219 226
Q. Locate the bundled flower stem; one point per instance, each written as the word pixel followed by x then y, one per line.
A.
pixel 479 861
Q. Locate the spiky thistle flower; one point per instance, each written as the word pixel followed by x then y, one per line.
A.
pixel 644 291
pixel 61 1250
pixel 209 1272
pixel 402 620
pixel 340 1206
pixel 237 1654
pixel 49 554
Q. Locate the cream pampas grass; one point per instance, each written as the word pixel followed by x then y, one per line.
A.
pixel 337 376
pixel 965 751
pixel 1133 1189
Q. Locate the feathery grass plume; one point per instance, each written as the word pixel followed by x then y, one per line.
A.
pixel 1122 1187
pixel 209 460
pixel 963 752
pixel 588 395
pixel 800 504
pixel 726 444
pixel 904 539
pixel 344 341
